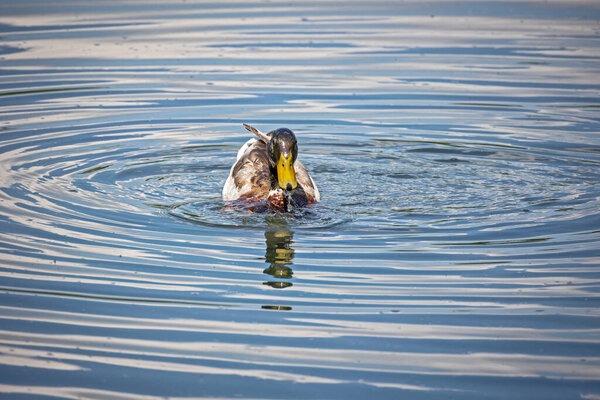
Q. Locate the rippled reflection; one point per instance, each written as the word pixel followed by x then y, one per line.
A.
pixel 279 253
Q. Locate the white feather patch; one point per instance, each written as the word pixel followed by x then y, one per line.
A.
pixel 230 191
pixel 317 194
pixel 245 147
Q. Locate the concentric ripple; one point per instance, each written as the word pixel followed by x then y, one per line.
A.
pixel 454 253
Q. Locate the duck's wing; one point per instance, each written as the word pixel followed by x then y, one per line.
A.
pixel 249 176
pixel 305 180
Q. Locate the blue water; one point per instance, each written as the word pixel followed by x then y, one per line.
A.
pixel 455 252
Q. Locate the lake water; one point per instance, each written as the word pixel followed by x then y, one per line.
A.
pixel 455 252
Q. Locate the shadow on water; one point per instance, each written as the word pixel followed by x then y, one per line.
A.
pixel 278 256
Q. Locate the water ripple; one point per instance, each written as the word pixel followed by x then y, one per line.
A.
pixel 454 252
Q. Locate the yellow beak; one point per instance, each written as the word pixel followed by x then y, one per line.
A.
pixel 285 172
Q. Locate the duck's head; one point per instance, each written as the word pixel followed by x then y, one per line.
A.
pixel 283 151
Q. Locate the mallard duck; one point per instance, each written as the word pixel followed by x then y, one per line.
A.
pixel 268 173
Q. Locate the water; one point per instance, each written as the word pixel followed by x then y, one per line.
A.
pixel 454 254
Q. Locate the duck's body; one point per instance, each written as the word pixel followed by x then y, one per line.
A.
pixel 267 172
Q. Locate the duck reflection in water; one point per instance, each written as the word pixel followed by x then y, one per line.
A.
pixel 279 254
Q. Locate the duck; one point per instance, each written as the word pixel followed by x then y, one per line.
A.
pixel 267 174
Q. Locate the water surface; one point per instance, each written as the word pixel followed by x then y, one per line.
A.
pixel 455 251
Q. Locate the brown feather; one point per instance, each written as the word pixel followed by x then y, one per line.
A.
pixel 252 169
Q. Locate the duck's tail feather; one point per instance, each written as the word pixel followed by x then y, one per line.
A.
pixel 261 136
